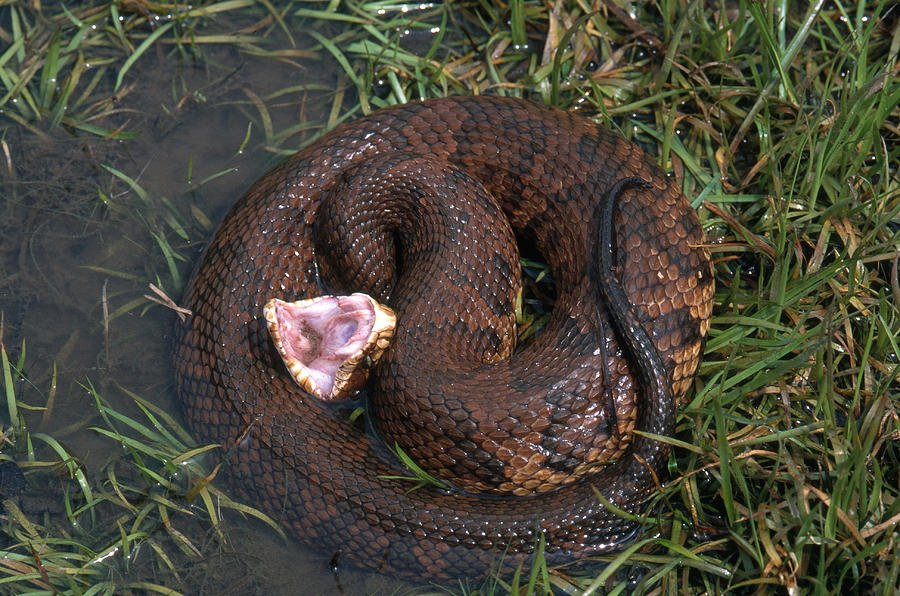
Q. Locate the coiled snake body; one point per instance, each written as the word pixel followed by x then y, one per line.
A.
pixel 528 438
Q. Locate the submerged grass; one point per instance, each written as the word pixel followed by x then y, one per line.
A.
pixel 779 120
pixel 85 536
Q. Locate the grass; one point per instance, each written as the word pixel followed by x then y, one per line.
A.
pixel 780 121
pixel 134 503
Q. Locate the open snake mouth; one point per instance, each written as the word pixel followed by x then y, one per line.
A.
pixel 330 343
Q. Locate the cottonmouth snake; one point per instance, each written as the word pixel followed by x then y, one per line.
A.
pixel 555 421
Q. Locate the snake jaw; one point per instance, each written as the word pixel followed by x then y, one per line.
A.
pixel 330 343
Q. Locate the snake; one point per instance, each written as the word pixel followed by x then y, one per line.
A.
pixel 551 445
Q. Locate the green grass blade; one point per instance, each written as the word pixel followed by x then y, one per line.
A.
pixel 139 51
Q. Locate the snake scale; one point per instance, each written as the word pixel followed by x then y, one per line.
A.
pixel 421 206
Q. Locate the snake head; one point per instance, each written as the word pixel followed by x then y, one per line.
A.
pixel 330 343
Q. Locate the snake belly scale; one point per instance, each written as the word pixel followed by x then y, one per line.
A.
pixel 528 438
